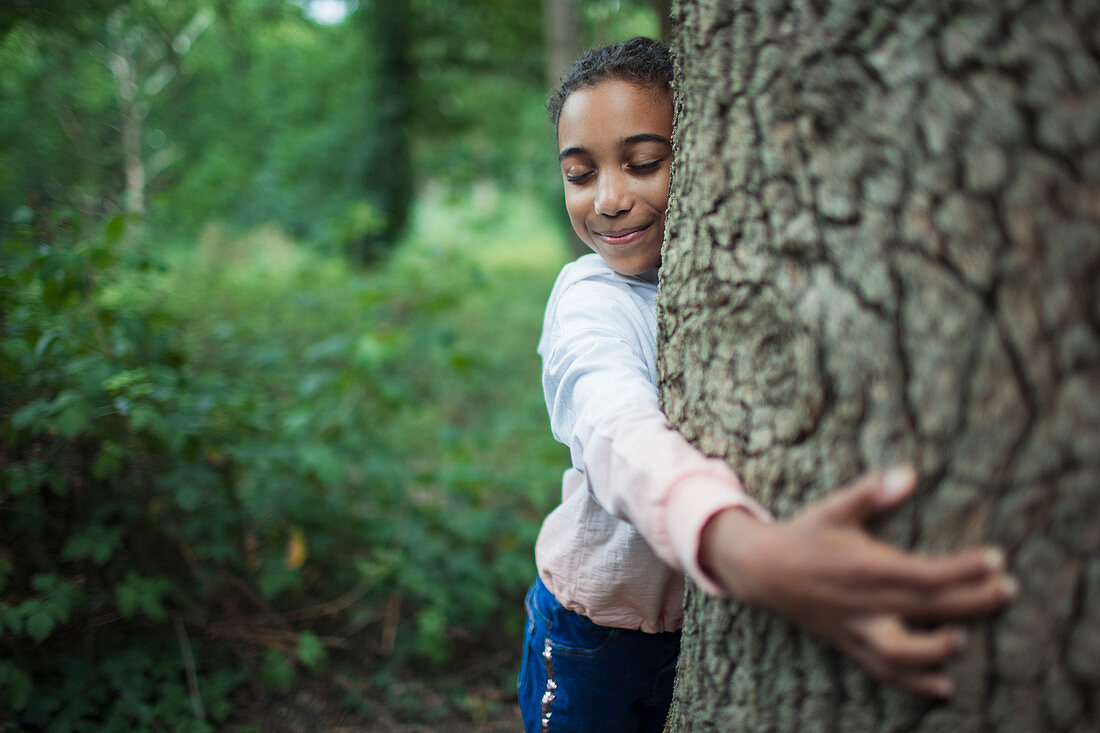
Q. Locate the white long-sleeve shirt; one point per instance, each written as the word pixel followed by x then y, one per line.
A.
pixel 636 498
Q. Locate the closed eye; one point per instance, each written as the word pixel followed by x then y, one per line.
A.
pixel 643 166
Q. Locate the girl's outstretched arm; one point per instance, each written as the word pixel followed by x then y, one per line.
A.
pixel 825 572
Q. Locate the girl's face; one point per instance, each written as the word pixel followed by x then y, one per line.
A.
pixel 616 154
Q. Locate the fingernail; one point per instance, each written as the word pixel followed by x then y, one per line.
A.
pixel 945 688
pixel 897 481
pixel 995 558
pixel 1010 587
pixel 960 639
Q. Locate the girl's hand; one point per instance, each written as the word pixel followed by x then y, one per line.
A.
pixel 826 573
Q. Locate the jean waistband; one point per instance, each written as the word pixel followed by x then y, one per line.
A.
pixel 542 602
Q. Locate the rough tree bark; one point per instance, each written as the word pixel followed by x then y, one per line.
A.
pixel 884 246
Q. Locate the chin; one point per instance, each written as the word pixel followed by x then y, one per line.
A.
pixel 632 268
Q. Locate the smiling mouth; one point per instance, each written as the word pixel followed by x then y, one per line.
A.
pixel 623 236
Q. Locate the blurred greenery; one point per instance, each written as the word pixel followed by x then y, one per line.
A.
pixel 270 413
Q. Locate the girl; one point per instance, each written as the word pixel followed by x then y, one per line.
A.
pixel 641 507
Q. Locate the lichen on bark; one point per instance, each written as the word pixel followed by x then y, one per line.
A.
pixel 883 245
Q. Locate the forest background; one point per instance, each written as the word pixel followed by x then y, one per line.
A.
pixel 271 433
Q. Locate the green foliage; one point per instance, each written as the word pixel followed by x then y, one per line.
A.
pixel 396 419
pixel 252 113
pixel 74 16
pixel 248 431
pixel 240 448
pixel 100 412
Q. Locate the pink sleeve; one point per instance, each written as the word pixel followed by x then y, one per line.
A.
pixel 642 470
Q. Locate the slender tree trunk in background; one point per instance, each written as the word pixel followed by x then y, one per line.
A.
pixel 663 8
pixel 131 112
pixel 388 179
pixel 884 246
pixel 133 48
pixel 561 37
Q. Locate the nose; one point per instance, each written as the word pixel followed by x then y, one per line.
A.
pixel 613 195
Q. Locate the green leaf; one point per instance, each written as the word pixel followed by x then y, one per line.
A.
pixel 277 672
pixel 431 638
pixel 371 352
pixel 313 383
pixel 43 344
pixel 320 460
pixel 136 593
pixel 95 541
pixel 17 683
pixel 310 649
pixel 73 418
pixel 12 618
pixel 19 689
pixel 275 579
pixel 131 382
pixel 39 621
pixel 30 415
pixel 115 228
pixel 295 422
pixel 189 497
pixel 332 346
pixel 145 417
pixel 108 461
pixel 17 480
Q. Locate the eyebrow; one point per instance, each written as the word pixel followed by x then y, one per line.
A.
pixel 641 137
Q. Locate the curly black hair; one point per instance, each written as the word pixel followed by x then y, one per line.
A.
pixel 639 60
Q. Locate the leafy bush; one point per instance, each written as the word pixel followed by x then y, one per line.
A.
pixel 102 419
pixel 255 463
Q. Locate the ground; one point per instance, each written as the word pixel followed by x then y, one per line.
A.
pixel 318 709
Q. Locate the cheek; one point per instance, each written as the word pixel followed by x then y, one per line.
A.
pixel 576 205
pixel 660 193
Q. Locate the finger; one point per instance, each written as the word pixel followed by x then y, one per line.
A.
pixel 892 566
pixel 904 658
pixel 928 684
pixel 977 599
pixel 900 648
pixel 960 601
pixel 869 495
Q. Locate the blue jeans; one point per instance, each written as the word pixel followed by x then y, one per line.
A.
pixel 579 676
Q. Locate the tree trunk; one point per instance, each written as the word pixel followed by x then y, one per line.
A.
pixel 132 115
pixel 562 43
pixel 663 8
pixel 388 177
pixel 884 246
pixel 129 44
pixel 561 37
